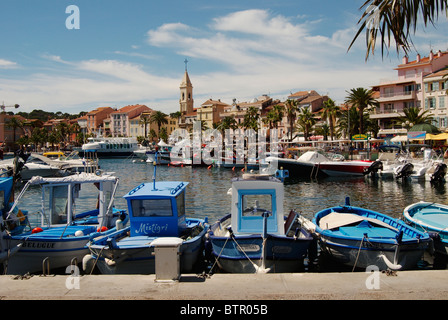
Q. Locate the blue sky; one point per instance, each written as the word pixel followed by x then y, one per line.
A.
pixel 128 52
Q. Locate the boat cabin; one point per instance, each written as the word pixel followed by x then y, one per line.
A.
pixel 157 209
pixel 59 205
pixel 251 199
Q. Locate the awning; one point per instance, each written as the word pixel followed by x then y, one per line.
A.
pixel 441 136
pixel 399 139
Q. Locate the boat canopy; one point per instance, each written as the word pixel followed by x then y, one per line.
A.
pixel 251 199
pixel 157 209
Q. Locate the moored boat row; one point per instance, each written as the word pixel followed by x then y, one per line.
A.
pixel 258 235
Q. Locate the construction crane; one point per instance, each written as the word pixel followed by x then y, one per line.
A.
pixel 3 107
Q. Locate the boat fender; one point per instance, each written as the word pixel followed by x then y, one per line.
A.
pixel 88 262
pixel 119 224
pixel 102 229
pixel 109 262
pixel 37 230
pixel 389 264
pixel 79 233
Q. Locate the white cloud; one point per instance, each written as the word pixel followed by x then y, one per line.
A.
pixel 6 64
pixel 253 52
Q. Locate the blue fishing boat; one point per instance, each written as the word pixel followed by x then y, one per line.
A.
pixel 157 212
pixel 360 238
pixel 60 238
pixel 432 218
pixel 256 237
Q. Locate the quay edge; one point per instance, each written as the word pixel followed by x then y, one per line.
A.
pixel 403 285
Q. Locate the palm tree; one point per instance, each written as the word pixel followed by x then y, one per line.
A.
pixel 144 121
pixel 413 116
pixel 361 99
pixel 160 118
pixel 393 20
pixel 291 114
pixel 14 123
pixel 306 121
pixel 330 111
pixel 348 122
pixel 251 117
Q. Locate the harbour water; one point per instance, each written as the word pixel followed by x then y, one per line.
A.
pixel 207 192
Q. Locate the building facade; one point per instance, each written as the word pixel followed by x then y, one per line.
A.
pixel 405 91
pixel 120 119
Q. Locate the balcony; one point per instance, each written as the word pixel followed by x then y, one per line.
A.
pixel 396 96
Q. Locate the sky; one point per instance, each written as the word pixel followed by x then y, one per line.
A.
pixel 134 52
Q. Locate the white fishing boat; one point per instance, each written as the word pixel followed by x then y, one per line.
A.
pixel 74 209
pixel 257 236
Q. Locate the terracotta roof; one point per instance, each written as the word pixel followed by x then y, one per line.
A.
pixel 439 73
pixel 424 60
pixel 129 108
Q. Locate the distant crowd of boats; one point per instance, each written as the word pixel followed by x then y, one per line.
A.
pixel 259 235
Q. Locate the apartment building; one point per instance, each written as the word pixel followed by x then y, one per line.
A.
pixel 95 118
pixel 435 88
pixel 210 111
pixel 120 119
pixel 406 91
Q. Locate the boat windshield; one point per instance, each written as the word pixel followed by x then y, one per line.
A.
pixel 256 204
pixel 151 208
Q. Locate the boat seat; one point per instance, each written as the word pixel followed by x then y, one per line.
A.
pixel 340 219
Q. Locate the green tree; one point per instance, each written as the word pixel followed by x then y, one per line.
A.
pixel 291 107
pixel 14 123
pixel 362 99
pixel 144 122
pixel 251 117
pixel 306 121
pixel 413 116
pixel 330 112
pixel 158 117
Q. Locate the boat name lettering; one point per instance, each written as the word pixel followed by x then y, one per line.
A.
pixel 281 249
pixel 39 245
pixel 151 227
pixel 249 247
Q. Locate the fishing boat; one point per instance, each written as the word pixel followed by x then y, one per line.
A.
pixel 60 238
pixel 157 213
pixel 257 237
pixel 432 218
pixel 360 238
pixel 110 147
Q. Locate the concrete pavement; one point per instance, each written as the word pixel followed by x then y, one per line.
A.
pixel 409 285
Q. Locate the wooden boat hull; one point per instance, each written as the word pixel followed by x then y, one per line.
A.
pixel 135 255
pixel 373 240
pixel 244 253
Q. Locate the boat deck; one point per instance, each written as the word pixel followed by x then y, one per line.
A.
pixel 436 217
pixel 55 232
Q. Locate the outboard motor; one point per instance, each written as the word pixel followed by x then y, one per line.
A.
pixel 374 167
pixel 405 170
pixel 439 173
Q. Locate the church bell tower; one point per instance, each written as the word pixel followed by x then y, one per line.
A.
pixel 186 93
